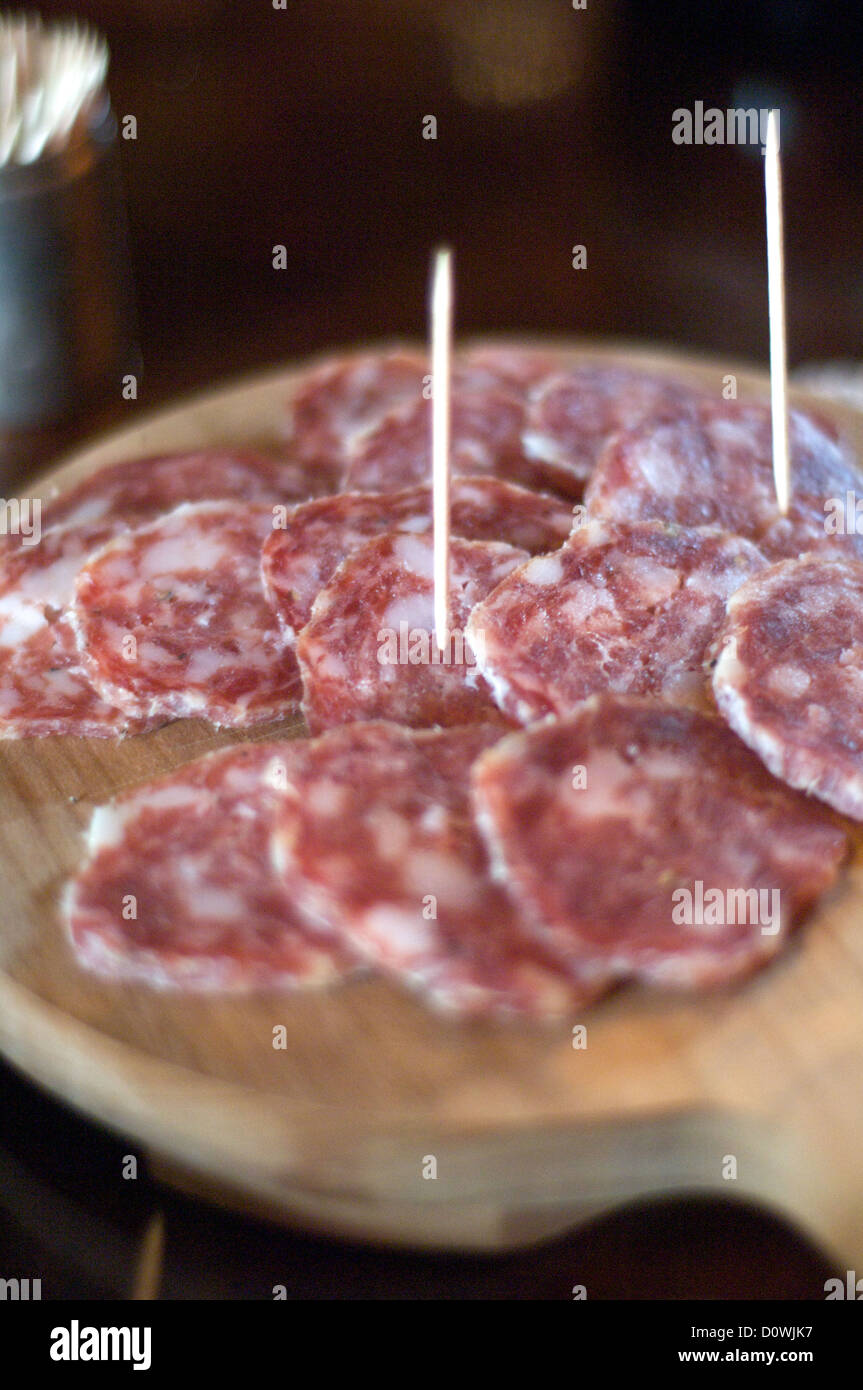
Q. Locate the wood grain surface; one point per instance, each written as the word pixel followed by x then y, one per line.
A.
pixel 530 1134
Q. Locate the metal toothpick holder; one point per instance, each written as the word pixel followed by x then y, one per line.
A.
pixel 67 330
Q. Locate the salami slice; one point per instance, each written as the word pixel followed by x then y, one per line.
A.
pixel 789 675
pixel 485 440
pixel 343 398
pixel 377 842
pixel 507 365
pixel 44 687
pixel 175 890
pixel 37 581
pixel 624 608
pixel 712 860
pixel 301 557
pixel 369 649
pixel 45 690
pixel 573 414
pixel 137 490
pixel 716 469
pixel 171 620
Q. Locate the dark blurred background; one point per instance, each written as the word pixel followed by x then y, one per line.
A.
pixel 304 127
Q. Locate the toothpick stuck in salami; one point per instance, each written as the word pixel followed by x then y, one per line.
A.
pixel 776 310
pixel 441 354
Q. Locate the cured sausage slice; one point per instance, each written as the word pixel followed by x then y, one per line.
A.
pixel 716 469
pixel 543 431
pixel 343 398
pixel 175 889
pixel 573 414
pixel 507 365
pixel 625 608
pixel 300 558
pixel 171 620
pixel 376 840
pixel 485 439
pixel 137 490
pixel 37 581
pixel 789 675
pixel 44 688
pixel 652 840
pixel 369 649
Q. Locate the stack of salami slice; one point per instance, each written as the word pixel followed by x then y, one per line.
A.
pixel 630 761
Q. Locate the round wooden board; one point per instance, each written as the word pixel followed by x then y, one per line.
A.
pixel 335 1131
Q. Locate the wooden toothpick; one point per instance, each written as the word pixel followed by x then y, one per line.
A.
pixel 776 309
pixel 148 1275
pixel 441 299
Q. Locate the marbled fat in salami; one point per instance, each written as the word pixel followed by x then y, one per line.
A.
pixel 624 608
pixel 300 558
pixel 485 440
pixel 651 840
pixel 38 581
pixel 338 401
pixel 133 491
pixel 507 365
pixel 574 413
pixel 716 469
pixel 376 841
pixel 171 620
pixel 44 688
pixel 176 889
pixel 789 675
pixel 369 649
